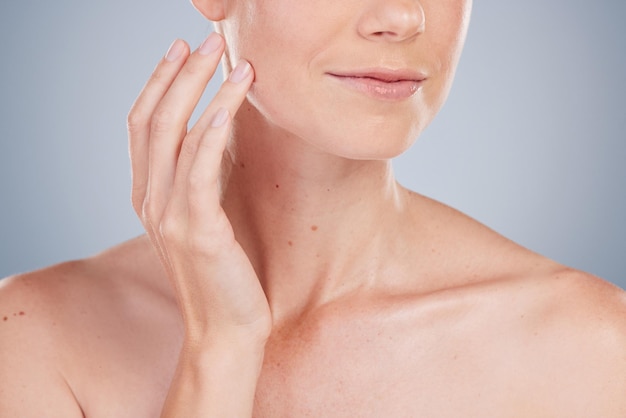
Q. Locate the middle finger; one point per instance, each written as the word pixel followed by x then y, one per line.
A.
pixel 169 121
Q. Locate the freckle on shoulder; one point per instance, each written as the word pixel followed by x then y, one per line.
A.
pixel 33 294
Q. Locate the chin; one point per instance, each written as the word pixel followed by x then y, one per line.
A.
pixel 365 137
pixel 355 141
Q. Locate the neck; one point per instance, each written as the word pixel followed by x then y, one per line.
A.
pixel 313 224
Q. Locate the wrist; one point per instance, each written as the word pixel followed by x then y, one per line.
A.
pixel 238 343
pixel 244 338
pixel 223 357
pixel 217 374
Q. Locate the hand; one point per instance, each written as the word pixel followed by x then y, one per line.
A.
pixel 176 192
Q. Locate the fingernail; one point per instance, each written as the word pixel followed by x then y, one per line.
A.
pixel 210 44
pixel 220 118
pixel 240 72
pixel 175 50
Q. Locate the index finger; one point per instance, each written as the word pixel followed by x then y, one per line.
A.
pixel 139 117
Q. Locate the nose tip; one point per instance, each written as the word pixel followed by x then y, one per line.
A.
pixel 393 20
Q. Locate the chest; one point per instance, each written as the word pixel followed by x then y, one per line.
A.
pixel 380 372
pixel 351 368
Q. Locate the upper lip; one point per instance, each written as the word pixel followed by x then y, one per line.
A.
pixel 383 74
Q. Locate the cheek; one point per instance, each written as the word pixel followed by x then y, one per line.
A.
pixel 286 90
pixel 341 124
pixel 293 98
pixel 267 26
pixel 307 106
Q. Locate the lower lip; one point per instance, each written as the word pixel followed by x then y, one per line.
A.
pixel 383 90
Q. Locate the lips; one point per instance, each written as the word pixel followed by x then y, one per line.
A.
pixel 383 84
pixel 386 75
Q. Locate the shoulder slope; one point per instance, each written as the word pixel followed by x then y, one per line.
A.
pixel 588 298
pixel 128 266
pixel 582 337
pixel 65 291
pixel 32 293
pixel 32 384
pixel 576 305
pixel 62 320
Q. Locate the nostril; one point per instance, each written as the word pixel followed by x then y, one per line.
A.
pixel 393 20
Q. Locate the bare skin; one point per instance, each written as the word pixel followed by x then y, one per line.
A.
pixel 531 338
pixel 295 277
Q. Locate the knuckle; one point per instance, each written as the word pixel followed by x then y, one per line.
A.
pixel 163 120
pixel 149 213
pixel 196 182
pixel 161 79
pixel 200 184
pixel 135 121
pixel 137 197
pixel 157 76
pixel 170 228
pixel 137 202
pixel 137 193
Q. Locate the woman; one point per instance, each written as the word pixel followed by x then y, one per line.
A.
pixel 284 271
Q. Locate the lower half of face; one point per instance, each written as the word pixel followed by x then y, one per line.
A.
pixel 338 117
pixel 326 81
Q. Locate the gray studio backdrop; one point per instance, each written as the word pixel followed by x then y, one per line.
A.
pixel 531 141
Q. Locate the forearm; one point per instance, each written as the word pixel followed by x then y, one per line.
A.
pixel 215 380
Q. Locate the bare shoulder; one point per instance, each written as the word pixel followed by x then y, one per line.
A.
pixel 589 298
pixel 583 307
pixel 558 333
pixel 51 321
pixel 27 322
pixel 576 347
pixel 590 313
pixel 72 289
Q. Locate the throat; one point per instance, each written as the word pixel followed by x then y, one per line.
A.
pixel 310 239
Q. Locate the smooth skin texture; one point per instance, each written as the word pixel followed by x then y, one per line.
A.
pixel 285 273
